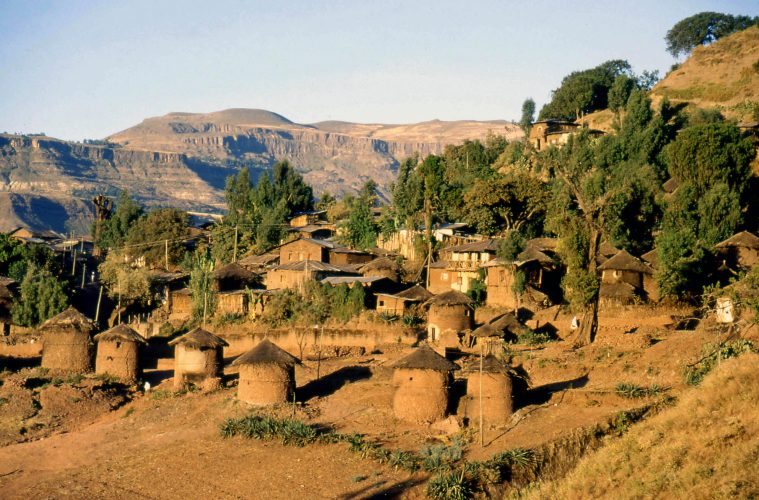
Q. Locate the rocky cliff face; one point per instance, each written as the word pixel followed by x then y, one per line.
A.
pixel 183 159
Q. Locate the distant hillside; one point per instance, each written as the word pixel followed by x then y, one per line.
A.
pixel 724 74
pixel 183 160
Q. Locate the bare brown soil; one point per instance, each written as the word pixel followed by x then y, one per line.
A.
pixel 162 445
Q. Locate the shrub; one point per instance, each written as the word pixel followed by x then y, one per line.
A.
pixel 291 432
pixel 452 485
pixel 696 372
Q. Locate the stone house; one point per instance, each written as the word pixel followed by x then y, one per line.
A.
pixel 460 265
pixel 303 249
pixel 308 218
pixel 546 133
pixel 293 275
pixel 401 303
pixel 535 265
pixel 342 256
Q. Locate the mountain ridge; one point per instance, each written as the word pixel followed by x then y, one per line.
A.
pixel 183 159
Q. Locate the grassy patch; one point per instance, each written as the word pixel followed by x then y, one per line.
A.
pixel 632 391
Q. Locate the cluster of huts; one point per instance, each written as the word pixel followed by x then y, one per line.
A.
pixel 422 380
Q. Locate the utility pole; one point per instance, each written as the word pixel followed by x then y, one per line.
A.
pixel 166 254
pixel 482 429
pixel 234 254
pixel 428 230
pixel 73 264
pixel 97 310
pixel 84 274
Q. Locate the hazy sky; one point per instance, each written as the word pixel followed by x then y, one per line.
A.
pixel 86 69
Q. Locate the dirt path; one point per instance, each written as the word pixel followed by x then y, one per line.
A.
pixel 171 449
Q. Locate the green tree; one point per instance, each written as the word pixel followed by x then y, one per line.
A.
pixel 620 91
pixel 501 203
pixel 42 297
pixel 528 115
pixel 580 215
pixel 361 230
pixel 125 282
pixel 201 281
pixel 584 91
pixel 157 235
pixel 257 214
pixel 704 155
pixel 511 246
pixel 115 229
pixel 702 29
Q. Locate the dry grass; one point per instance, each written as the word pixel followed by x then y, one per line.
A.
pixel 721 74
pixel 707 446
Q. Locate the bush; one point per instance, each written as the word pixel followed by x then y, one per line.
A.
pixel 696 372
pixel 453 485
pixel 291 432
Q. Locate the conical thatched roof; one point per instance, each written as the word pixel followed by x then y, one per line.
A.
pixel 120 333
pixel 508 322
pixel 490 364
pixel 198 338
pixel 70 318
pixel 381 264
pixel 267 353
pixel 651 258
pixel 623 261
pixel 235 271
pixel 450 298
pixel 424 358
pixel 531 253
pixel 742 239
pixel 487 330
pixel 415 293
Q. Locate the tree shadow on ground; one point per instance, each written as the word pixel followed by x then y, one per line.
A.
pixel 393 491
pixel 16 364
pixel 542 394
pixel 329 384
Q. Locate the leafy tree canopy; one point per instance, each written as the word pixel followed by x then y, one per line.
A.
pixel 149 235
pixel 584 91
pixel 42 297
pixel 702 29
pixel 114 231
pixel 707 154
pixel 528 115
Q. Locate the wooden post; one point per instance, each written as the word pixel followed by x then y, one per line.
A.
pixel 119 310
pixel 166 254
pixel 205 305
pixel 482 429
pixel 73 264
pixel 84 274
pixel 97 310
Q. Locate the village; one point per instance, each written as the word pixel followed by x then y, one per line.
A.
pixel 564 306
pixel 460 363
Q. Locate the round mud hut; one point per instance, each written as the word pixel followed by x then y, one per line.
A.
pixel 267 375
pixel 118 353
pixel 198 358
pixel 497 391
pixel 422 380
pixel 67 342
pixel 450 310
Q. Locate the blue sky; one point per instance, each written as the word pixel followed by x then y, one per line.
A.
pixel 86 69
